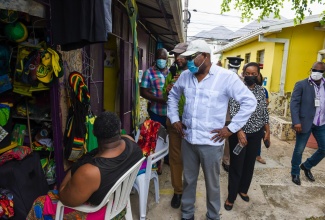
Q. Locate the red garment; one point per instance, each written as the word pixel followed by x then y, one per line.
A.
pixel 148 137
pixel 17 153
pixel 6 204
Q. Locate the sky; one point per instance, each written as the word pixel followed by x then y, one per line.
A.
pixel 208 15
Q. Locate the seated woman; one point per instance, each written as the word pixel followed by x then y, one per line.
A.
pixel 242 165
pixel 94 174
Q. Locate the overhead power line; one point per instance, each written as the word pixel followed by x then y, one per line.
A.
pixel 211 13
pixel 203 26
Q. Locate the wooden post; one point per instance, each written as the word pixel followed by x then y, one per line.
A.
pixel 28 124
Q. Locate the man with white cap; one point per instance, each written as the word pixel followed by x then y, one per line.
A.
pixel 207 89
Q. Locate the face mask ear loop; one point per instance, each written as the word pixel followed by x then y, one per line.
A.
pixel 202 63
pixel 197 56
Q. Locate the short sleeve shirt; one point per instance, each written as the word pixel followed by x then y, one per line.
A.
pixel 169 80
pixel 154 79
pixel 260 116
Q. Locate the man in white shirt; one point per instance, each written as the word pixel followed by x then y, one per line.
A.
pixel 207 89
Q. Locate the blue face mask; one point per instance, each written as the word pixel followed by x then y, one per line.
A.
pixel 191 66
pixel 161 63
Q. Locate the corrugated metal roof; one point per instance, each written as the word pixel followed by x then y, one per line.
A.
pixel 278 26
pixel 158 22
pixel 224 34
pixel 151 3
pixel 218 33
pixel 163 19
pixel 252 27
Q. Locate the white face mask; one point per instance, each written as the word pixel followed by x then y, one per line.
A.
pixel 316 76
pixel 233 70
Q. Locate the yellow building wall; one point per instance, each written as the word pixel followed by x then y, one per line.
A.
pixel 305 42
pixel 110 76
pixel 277 64
pixel 252 48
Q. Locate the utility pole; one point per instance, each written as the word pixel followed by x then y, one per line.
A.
pixel 186 19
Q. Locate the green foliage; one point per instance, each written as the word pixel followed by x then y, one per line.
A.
pixel 267 7
pixel 316 218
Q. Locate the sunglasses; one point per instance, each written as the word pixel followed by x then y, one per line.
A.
pixel 319 71
pixel 193 56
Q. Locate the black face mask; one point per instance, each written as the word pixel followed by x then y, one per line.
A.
pixel 250 80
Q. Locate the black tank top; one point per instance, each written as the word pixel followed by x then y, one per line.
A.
pixel 111 169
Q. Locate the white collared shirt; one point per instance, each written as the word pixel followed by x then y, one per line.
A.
pixel 207 102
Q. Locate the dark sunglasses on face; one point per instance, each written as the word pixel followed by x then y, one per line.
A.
pixel 320 71
pixel 193 56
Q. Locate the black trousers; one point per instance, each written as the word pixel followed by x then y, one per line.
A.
pixel 241 167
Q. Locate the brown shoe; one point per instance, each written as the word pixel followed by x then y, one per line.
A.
pixel 260 159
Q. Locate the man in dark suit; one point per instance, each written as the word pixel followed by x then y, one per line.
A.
pixel 308 116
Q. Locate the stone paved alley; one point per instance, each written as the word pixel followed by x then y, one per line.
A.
pixel 272 194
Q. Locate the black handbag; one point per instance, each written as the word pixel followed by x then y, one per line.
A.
pixel 25 179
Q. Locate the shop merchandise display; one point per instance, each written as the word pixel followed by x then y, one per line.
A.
pixel 30 135
pixel 79 120
pixel 27 73
pixel 6 204
pixel 16 32
pixel 5 123
pixel 8 16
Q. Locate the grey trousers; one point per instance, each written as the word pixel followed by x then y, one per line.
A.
pixel 209 157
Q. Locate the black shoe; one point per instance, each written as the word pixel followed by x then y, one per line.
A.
pixel 296 179
pixel 225 167
pixel 245 198
pixel 166 162
pixel 228 207
pixel 192 218
pixel 176 201
pixel 307 172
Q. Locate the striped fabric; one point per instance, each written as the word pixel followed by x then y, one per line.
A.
pixel 132 9
pixel 154 79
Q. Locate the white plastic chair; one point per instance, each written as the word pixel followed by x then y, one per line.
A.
pixel 136 135
pixel 142 182
pixel 116 199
